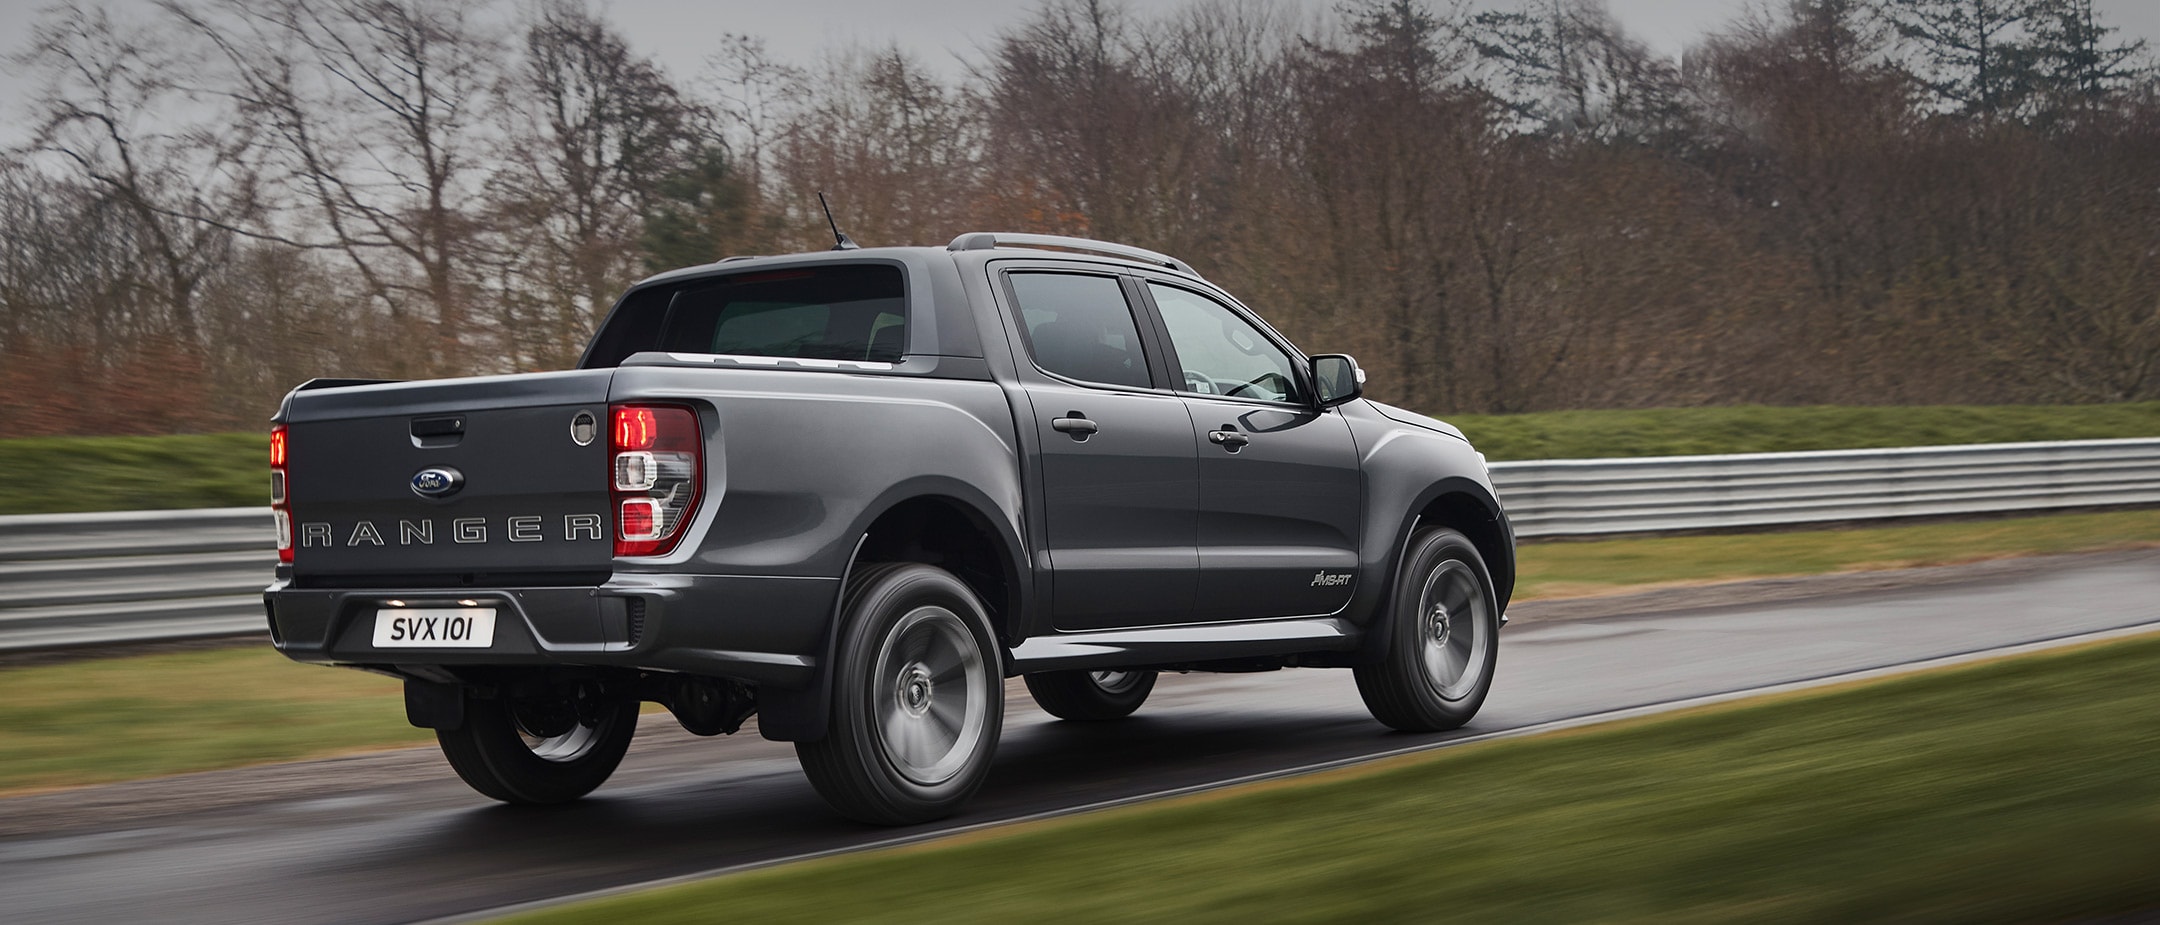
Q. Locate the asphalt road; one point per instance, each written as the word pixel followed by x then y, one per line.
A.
pixel 395 837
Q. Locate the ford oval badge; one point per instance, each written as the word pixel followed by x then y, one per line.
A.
pixel 438 482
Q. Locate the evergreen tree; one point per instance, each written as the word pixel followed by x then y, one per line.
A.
pixel 2080 63
pixel 1977 56
pixel 699 213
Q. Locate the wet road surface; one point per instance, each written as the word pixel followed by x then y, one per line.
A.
pixel 395 837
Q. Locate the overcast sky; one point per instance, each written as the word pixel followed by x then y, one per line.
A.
pixel 681 33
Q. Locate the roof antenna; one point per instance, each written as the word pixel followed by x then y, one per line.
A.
pixel 840 241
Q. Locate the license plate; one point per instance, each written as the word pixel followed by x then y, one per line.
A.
pixel 434 627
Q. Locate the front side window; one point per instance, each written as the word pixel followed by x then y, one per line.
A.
pixel 828 313
pixel 1079 327
pixel 1221 353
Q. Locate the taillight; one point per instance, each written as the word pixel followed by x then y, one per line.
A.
pixel 655 474
pixel 280 507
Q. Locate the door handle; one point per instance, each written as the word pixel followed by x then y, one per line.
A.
pixel 1228 438
pixel 1074 423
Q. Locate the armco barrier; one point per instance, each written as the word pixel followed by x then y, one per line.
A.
pixel 140 576
pixel 1590 496
pixel 132 576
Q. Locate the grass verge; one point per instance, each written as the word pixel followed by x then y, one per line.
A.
pixel 115 719
pixel 149 715
pixel 1566 569
pixel 134 473
pixel 2019 790
pixel 1759 429
pixel 221 470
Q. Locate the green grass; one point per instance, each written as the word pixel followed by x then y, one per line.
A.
pixel 2015 791
pixel 58 475
pixel 1564 569
pixel 1758 429
pixel 145 716
pixel 220 470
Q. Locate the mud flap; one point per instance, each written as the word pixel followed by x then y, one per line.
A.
pixel 431 705
pixel 794 715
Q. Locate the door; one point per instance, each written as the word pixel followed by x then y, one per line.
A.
pixel 1281 497
pixel 1120 478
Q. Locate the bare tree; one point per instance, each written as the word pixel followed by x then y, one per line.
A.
pixel 71 270
pixel 114 109
pixel 1385 125
pixel 897 148
pixel 373 117
pixel 592 130
pixel 1821 139
pixel 1567 68
pixel 752 95
pixel 1499 209
pixel 1085 133
pixel 87 343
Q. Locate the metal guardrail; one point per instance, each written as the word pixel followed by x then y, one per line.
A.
pixel 133 576
pixel 1575 497
pixel 142 576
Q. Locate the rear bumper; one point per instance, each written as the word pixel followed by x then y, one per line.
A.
pixel 761 630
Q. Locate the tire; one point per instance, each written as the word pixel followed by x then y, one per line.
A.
pixel 539 751
pixel 1090 696
pixel 1444 638
pixel 918 699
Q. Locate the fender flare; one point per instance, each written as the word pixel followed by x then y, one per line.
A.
pixel 803 715
pixel 1380 630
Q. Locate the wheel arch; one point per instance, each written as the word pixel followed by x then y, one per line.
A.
pixel 934 521
pixel 947 531
pixel 1460 504
pixel 1467 508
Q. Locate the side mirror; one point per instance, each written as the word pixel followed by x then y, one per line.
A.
pixel 1338 378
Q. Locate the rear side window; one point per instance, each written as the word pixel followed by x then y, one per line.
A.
pixel 855 312
pixel 1079 327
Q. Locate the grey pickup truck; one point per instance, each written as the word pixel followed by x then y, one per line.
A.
pixel 852 492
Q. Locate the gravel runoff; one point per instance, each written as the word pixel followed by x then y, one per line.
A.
pixel 137 803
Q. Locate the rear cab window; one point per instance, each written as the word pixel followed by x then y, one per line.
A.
pixel 1079 326
pixel 854 312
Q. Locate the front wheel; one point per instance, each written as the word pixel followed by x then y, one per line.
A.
pixel 918 699
pixel 545 749
pixel 1090 696
pixel 1443 642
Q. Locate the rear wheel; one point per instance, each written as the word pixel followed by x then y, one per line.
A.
pixel 545 749
pixel 1443 643
pixel 1090 696
pixel 917 703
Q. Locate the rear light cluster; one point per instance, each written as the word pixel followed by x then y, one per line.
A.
pixel 656 466
pixel 280 509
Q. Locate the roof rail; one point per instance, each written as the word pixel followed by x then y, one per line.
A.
pixel 985 240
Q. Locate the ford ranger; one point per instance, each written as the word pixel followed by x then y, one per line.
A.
pixel 851 492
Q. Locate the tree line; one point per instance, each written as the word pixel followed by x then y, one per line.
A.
pixel 1496 210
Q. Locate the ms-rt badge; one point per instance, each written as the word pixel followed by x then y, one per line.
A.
pixel 437 482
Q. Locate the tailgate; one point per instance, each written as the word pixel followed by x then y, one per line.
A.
pixel 452 481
